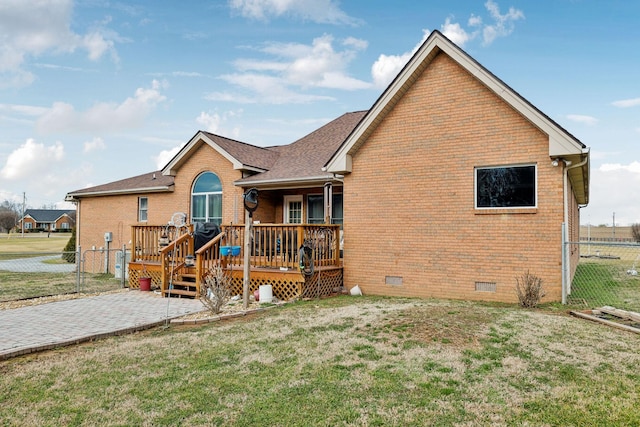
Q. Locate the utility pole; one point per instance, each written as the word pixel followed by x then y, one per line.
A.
pixel 614 225
pixel 24 201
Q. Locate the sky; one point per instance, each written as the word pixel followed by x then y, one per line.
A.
pixel 93 91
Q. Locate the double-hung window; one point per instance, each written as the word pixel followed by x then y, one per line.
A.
pixel 143 209
pixel 506 187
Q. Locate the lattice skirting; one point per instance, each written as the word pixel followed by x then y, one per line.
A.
pixel 323 283
pixel 135 272
pixel 291 286
pixel 283 288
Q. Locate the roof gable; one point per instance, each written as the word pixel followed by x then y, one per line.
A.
pixel 301 162
pixel 241 155
pixel 561 143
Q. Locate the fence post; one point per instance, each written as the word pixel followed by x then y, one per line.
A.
pixel 564 264
pixel 123 265
pixel 78 267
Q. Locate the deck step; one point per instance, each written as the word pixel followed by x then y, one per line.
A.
pixel 180 292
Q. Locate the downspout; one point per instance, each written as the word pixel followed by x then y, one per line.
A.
pixel 566 285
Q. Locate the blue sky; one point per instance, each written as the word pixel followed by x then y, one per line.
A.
pixel 93 91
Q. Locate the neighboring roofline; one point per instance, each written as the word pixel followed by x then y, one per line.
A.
pixel 561 142
pixel 185 152
pixel 70 197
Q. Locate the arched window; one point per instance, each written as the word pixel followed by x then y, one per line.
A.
pixel 206 199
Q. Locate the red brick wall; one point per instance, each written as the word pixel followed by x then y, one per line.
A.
pixel 409 201
pixel 97 215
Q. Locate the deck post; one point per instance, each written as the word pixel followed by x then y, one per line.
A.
pixel 247 253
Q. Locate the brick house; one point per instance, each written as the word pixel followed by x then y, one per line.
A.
pixel 47 220
pixel 451 185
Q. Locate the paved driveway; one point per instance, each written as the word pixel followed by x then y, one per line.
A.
pixel 37 265
pixel 46 326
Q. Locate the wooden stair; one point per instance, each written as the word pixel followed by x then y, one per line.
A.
pixel 183 284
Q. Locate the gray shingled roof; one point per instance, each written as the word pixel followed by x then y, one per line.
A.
pixel 305 158
pixel 147 183
pixel 300 160
pixel 48 215
pixel 247 154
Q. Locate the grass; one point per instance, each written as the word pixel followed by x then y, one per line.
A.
pixel 346 361
pixel 605 282
pixel 20 285
pixel 32 242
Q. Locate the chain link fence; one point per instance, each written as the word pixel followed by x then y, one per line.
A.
pixel 29 275
pixel 608 274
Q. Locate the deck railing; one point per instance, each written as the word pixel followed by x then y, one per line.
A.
pixel 149 240
pixel 272 246
pixel 277 245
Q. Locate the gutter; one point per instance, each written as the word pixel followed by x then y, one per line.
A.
pixel 565 234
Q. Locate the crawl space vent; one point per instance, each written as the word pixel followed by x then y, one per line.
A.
pixel 485 286
pixel 393 280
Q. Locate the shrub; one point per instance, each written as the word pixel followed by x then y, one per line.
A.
pixel 216 290
pixel 529 289
pixel 635 231
pixel 69 253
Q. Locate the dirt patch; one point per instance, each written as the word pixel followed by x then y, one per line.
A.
pixel 455 326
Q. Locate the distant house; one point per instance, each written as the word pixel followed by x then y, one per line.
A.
pixel 48 220
pixel 451 185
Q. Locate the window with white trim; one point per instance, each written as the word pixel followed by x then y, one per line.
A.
pixel 293 209
pixel 143 209
pixel 206 199
pixel 506 187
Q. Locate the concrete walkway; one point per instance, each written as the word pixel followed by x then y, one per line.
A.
pixel 42 327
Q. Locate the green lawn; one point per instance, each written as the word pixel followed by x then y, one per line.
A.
pixel 349 361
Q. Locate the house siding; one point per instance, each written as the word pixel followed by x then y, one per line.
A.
pixel 409 201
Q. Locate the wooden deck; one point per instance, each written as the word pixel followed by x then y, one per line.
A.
pixel 178 269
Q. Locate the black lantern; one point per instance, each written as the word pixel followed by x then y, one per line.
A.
pixel 251 200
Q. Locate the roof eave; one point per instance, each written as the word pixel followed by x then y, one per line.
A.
pixel 70 197
pixel 288 183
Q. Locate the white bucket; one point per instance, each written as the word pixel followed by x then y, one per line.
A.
pixel 356 290
pixel 266 293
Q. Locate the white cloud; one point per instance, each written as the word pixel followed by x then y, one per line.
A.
pixel 626 103
pixel 455 33
pixel 503 24
pixel 212 122
pixel 320 11
pixel 95 144
pixel 30 29
pixel 612 189
pixel 387 67
pixel 165 156
pixel 32 159
pixel 103 117
pixel 292 70
pixel 578 118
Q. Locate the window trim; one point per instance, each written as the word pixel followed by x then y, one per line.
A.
pixel 287 201
pixel 207 199
pixel 141 209
pixel 506 208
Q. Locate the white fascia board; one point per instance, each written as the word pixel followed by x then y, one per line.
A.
pixel 75 196
pixel 170 168
pixel 287 183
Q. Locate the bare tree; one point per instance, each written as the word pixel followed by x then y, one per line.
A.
pixel 8 220
pixel 9 215
pixel 635 231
